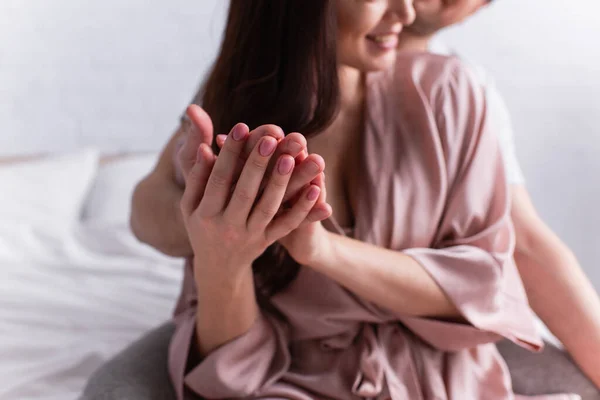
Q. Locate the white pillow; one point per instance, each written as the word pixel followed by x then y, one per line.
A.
pixel 48 190
pixel 109 201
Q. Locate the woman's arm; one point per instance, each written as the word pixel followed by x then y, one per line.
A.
pixel 558 290
pixel 226 308
pixel 232 226
pixel 242 350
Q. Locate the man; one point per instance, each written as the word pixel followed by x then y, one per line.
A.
pixel 558 290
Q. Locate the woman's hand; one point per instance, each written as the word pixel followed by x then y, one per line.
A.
pixel 230 229
pixel 307 167
pixel 310 241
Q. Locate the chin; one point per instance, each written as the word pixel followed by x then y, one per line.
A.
pixel 375 64
pixel 371 60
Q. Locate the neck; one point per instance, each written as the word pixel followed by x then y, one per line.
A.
pixel 412 42
pixel 351 89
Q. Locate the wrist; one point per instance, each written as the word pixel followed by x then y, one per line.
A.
pixel 226 309
pixel 218 274
pixel 325 252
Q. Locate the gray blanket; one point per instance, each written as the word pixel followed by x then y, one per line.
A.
pixel 140 372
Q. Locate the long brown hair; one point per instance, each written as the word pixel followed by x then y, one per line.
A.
pixel 277 65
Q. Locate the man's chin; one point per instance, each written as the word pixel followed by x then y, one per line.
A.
pixel 421 28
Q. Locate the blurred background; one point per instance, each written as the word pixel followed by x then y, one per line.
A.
pixel 114 76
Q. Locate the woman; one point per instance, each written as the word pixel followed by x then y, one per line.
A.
pixel 407 305
pixel 404 290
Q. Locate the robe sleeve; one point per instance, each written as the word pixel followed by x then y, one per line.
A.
pixel 471 258
pixel 237 369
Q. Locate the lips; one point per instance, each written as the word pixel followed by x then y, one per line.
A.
pixel 386 40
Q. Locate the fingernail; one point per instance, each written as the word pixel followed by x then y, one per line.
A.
pixel 238 132
pixel 285 165
pixel 313 193
pixel 314 167
pixel 267 147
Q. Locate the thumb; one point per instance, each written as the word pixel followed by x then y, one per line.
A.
pixel 202 124
pixel 198 131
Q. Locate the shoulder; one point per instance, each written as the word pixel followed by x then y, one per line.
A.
pixel 439 97
pixel 431 78
pixel 443 88
pixel 438 47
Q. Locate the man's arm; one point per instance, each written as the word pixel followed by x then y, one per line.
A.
pixel 155 213
pixel 558 289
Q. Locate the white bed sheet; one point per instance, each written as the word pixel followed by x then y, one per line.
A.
pixel 73 294
pixel 71 298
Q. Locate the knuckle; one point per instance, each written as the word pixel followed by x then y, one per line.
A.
pixel 230 149
pixel 268 212
pixel 200 222
pixel 242 194
pixel 258 163
pixel 218 181
pixel 279 183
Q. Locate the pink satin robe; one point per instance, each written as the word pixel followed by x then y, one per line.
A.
pixel 433 188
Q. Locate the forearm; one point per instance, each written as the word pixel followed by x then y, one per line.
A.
pixel 227 307
pixel 385 277
pixel 156 217
pixel 562 296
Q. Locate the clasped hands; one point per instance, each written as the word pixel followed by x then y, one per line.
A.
pixel 263 187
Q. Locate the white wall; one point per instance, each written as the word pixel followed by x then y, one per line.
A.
pixel 116 74
pixel 109 73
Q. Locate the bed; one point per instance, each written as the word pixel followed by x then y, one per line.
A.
pixel 75 285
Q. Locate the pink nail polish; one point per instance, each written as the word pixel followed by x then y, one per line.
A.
pixel 267 147
pixel 313 194
pixel 285 165
pixel 238 132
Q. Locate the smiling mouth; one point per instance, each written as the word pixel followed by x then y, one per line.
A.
pixel 386 41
